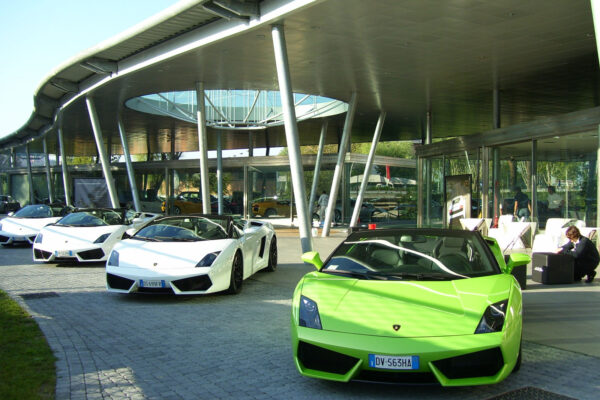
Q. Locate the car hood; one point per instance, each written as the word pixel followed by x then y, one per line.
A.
pixel 166 255
pixel 26 226
pixel 76 236
pixel 415 308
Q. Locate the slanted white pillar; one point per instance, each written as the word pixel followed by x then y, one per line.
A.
pixel 48 173
pixel 315 182
pixel 105 162
pixel 368 166
pixel 202 147
pixel 129 166
pixel 29 175
pixel 219 173
pixel 335 184
pixel 63 164
pixel 291 135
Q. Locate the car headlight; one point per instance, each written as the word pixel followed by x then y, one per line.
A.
pixel 0 227
pixel 102 238
pixel 208 259
pixel 38 238
pixel 309 314
pixel 493 318
pixel 114 259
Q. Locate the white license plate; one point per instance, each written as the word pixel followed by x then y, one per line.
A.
pixel 152 284
pixel 63 253
pixel 393 362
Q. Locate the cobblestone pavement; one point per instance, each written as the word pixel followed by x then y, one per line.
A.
pixel 112 346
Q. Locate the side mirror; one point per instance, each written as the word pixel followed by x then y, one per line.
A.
pixel 10 214
pixel 516 260
pixel 312 257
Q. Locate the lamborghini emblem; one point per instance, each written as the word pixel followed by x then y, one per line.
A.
pixel 396 327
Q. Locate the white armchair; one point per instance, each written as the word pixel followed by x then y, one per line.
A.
pixel 553 236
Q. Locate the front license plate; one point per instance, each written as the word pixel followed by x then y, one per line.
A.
pixel 152 284
pixel 63 253
pixel 393 362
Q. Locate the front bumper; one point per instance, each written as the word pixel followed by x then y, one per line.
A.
pixel 462 360
pixel 87 254
pixel 186 281
pixel 7 238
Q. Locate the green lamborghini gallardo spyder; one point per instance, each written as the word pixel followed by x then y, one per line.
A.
pixel 410 306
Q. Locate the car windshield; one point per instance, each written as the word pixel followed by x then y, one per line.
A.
pixel 35 211
pixel 412 256
pixel 92 218
pixel 183 229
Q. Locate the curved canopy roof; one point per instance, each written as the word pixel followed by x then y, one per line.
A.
pixel 406 57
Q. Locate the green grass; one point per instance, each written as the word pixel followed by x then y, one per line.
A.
pixel 26 361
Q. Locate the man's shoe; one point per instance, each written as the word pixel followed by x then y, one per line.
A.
pixel 590 277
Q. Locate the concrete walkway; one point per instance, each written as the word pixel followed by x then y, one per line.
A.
pixel 112 346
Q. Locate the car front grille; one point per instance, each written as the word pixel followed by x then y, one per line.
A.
pixel 194 283
pixel 419 378
pixel 320 359
pixel 94 254
pixel 118 282
pixel 481 363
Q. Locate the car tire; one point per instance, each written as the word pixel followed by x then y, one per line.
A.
pixel 176 210
pixel 237 274
pixel 270 213
pixel 272 265
pixel 517 366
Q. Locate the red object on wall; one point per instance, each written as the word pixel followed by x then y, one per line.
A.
pixel 387 171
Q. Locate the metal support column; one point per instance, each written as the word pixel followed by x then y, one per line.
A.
pixel 596 18
pixel 291 135
pixel 533 178
pixel 368 166
pixel 129 166
pixel 420 174
pixel 202 147
pixel 63 164
pixel 48 173
pixel 250 144
pixel 315 182
pixel 428 172
pixel 335 184
pixel 246 213
pixel 110 183
pixel 496 157
pixel 485 181
pixel 219 173
pixel 29 175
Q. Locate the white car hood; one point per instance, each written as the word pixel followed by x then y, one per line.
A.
pixel 76 237
pixel 25 226
pixel 166 255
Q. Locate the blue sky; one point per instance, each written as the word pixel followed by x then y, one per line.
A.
pixel 39 35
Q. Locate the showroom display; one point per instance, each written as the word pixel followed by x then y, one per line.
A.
pixel 410 306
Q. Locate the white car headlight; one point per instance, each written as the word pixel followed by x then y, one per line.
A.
pixel 208 259
pixel 102 238
pixel 114 259
pixel 38 238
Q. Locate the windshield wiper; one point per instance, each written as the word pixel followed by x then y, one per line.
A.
pixel 146 238
pixel 356 274
pixel 419 276
pixel 176 239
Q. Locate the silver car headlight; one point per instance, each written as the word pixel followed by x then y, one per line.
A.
pixel 114 259
pixel 309 314
pixel 208 259
pixel 102 238
pixel 493 318
pixel 38 238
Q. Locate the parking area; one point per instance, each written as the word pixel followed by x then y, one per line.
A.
pixel 112 346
